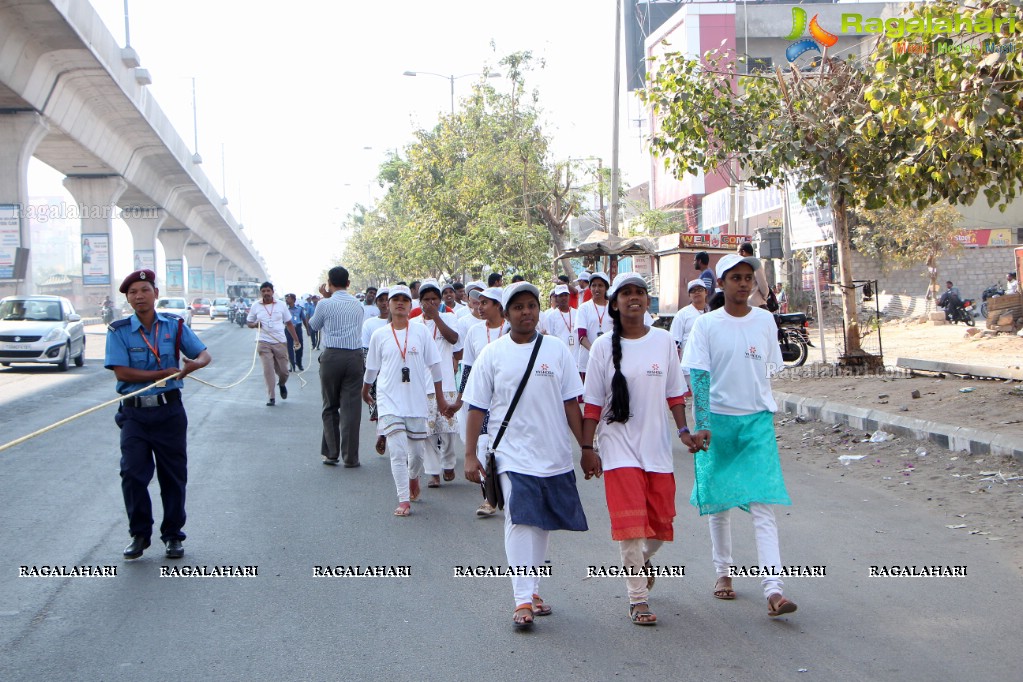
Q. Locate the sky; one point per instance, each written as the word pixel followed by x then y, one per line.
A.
pixel 294 94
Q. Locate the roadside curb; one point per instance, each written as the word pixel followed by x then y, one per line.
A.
pixel 957 438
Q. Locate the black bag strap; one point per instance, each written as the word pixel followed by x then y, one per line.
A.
pixel 518 393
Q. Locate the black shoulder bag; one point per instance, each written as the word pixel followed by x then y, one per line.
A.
pixel 491 485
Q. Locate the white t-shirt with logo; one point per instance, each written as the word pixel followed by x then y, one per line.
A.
pixel 682 326
pixel 370 326
pixel 562 326
pixel 394 396
pixel 741 354
pixel 273 319
pixel 596 320
pixel 444 348
pixel 538 441
pixel 478 337
pixel 650 365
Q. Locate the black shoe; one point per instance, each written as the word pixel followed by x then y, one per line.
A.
pixel 174 549
pixel 284 390
pixel 138 544
pixel 301 368
pixel 271 402
pixel 349 465
pixel 329 461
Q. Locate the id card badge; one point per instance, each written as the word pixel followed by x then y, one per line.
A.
pixel 571 341
pixel 406 376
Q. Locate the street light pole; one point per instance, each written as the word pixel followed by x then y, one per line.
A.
pixel 615 119
pixel 451 79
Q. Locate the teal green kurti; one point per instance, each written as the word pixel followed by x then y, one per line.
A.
pixel 742 465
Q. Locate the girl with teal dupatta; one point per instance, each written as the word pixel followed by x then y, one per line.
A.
pixel 731 354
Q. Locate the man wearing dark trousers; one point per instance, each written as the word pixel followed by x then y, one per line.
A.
pixel 143 349
pixel 339 318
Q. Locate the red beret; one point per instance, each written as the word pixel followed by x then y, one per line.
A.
pixel 138 276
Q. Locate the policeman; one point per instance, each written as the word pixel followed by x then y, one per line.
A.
pixel 143 349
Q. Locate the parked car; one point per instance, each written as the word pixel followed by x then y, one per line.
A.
pixel 200 306
pixel 175 306
pixel 41 329
pixel 220 308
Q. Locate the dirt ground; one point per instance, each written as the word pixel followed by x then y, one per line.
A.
pixel 993 405
pixel 982 496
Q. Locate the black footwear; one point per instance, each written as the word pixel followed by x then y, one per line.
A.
pixel 138 544
pixel 331 462
pixel 174 549
pixel 301 368
pixel 351 466
pixel 271 402
pixel 284 390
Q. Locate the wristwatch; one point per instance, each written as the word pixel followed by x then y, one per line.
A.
pixel 684 429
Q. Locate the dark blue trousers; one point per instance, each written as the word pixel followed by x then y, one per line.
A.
pixel 295 356
pixel 154 437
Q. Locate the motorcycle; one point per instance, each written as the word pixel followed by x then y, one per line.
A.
pixel 990 292
pixel 957 311
pixel 240 313
pixel 106 312
pixel 793 337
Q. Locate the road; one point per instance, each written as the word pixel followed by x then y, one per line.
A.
pixel 259 496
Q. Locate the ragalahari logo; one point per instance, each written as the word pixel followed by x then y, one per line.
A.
pixel 819 38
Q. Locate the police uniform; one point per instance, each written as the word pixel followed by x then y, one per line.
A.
pixel 153 423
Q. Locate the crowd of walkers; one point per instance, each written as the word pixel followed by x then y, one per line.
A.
pixel 518 378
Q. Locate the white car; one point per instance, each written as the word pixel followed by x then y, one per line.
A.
pixel 175 306
pixel 219 307
pixel 41 329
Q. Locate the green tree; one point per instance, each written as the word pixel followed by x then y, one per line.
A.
pixel 894 129
pixel 908 237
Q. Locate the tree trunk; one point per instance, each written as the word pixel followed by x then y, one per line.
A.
pixel 845 275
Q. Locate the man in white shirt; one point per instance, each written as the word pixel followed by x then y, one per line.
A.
pixel 682 324
pixel 368 327
pixel 273 318
pixel 401 356
pixel 369 308
pixel 441 450
pixel 560 321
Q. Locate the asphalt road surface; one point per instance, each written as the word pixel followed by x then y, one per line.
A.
pixel 259 496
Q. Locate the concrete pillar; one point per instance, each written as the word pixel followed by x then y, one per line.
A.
pixel 173 240
pixel 194 254
pixel 209 274
pixel 96 197
pixel 20 134
pixel 144 222
pixel 221 274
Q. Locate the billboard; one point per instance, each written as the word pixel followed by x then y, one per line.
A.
pixel 96 259
pixel 809 224
pixel 175 277
pixel 10 238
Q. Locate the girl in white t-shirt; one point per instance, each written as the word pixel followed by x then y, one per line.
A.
pixel 594 320
pixel 400 357
pixel 731 354
pixel 534 456
pixel 633 381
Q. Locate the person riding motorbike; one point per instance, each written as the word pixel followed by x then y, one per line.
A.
pixel 106 310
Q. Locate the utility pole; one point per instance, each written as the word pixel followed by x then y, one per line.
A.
pixel 615 121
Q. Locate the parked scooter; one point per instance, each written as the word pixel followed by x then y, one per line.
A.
pixel 990 292
pixel 793 337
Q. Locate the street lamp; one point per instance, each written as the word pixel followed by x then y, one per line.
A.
pixel 452 78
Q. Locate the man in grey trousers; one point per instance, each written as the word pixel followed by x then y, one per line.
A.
pixel 338 318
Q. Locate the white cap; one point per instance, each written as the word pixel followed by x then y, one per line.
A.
pixel 494 294
pixel 731 260
pixel 475 294
pixel 427 285
pixel 517 288
pixel 445 287
pixel 383 291
pixel 559 290
pixel 624 278
pixel 601 275
pixel 475 285
pixel 698 282
pixel 584 276
pixel 400 290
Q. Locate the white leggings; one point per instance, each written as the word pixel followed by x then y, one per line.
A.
pixel 636 553
pixel 768 553
pixel 440 453
pixel 524 546
pixel 406 461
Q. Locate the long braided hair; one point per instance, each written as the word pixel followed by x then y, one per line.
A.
pixel 620 410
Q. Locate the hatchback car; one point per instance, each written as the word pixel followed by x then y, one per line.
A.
pixel 219 308
pixel 41 329
pixel 200 306
pixel 175 306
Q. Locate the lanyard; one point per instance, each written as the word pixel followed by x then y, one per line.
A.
pixel 600 316
pixel 569 323
pixel 156 340
pixel 499 333
pixel 400 349
pixel 269 313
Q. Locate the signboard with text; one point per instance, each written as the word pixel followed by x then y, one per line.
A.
pixel 96 259
pixel 688 240
pixel 10 238
pixel 1001 236
pixel 175 277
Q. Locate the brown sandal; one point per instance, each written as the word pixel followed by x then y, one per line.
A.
pixel 778 605
pixel 723 588
pixel 523 616
pixel 434 482
pixel 539 608
pixel 381 445
pixel 404 509
pixel 642 617
pixel 449 474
